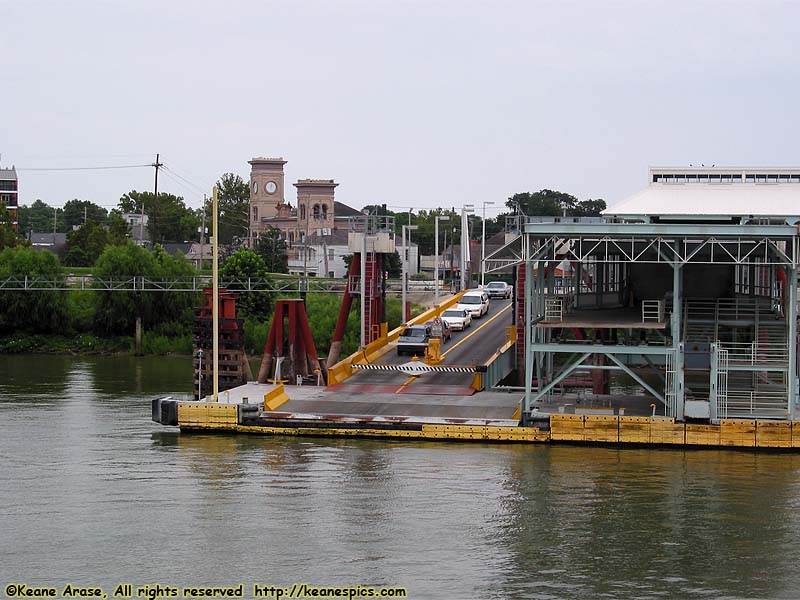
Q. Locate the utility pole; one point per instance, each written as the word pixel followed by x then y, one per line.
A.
pixel 215 292
pixel 452 260
pixel 483 242
pixel 141 226
pixel 203 232
pixel 444 256
pixel 157 165
pixel 55 219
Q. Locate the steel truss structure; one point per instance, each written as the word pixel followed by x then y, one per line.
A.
pixel 541 247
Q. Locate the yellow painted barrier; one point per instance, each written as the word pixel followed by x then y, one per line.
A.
pixel 275 398
pixel 737 432
pixel 211 415
pixel 601 428
pixel 774 434
pixel 563 427
pixel 567 428
pixel 634 430
pixel 373 351
pixel 664 430
pixel 433 352
pixel 427 432
pixel 702 435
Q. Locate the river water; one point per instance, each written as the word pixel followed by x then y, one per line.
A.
pixel 92 492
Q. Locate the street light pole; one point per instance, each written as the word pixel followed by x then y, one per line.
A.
pixel 483 242
pixel 436 257
pixel 405 269
pixel 466 210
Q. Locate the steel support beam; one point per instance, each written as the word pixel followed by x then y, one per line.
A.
pixel 713 399
pixel 791 315
pixel 528 374
pixel 636 378
pixel 668 230
pixel 677 346
pixel 603 349
pixel 561 376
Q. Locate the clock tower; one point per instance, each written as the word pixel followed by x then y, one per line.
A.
pixel 266 192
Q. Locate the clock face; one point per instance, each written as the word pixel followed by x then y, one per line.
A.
pixel 271 187
pixel 255 187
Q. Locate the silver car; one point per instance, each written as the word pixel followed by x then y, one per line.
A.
pixel 498 289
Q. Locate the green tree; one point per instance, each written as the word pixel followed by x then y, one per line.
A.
pixel 233 198
pixel 38 217
pixel 235 271
pixel 34 311
pixel 541 204
pixel 554 204
pixel 271 246
pixel 8 237
pixel 76 212
pixel 173 306
pixel 118 228
pixel 589 208
pixel 175 222
pixel 116 312
pixel 86 244
pixel 323 311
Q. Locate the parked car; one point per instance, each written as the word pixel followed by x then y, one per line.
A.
pixel 498 289
pixel 413 340
pixel 476 302
pixel 458 318
pixel 446 331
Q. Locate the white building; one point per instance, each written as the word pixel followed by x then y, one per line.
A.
pixel 323 256
pixel 138 226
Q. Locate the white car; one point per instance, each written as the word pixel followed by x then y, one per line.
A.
pixel 458 318
pixel 475 302
pixel 498 289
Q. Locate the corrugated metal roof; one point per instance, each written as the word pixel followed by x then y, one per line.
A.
pixel 736 199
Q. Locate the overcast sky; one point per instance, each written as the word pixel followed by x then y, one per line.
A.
pixel 412 103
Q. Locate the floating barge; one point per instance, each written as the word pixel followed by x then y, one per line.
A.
pixel 232 414
pixel 688 290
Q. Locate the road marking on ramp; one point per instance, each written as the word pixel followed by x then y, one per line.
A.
pixel 466 337
pixel 405 383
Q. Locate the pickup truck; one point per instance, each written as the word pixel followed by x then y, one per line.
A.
pixel 413 340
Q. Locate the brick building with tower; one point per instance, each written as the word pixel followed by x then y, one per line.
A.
pixel 315 229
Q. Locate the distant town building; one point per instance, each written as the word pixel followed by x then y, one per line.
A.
pixel 317 218
pixel 53 242
pixel 9 194
pixel 198 253
pixel 137 223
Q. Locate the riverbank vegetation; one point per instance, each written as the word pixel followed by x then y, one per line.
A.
pixel 103 322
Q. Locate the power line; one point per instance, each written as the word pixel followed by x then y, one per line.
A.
pixel 98 168
pixel 184 179
pixel 172 176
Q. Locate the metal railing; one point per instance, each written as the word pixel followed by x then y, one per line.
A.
pixel 754 403
pixel 190 283
pixel 554 308
pixel 756 353
pixel 652 311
